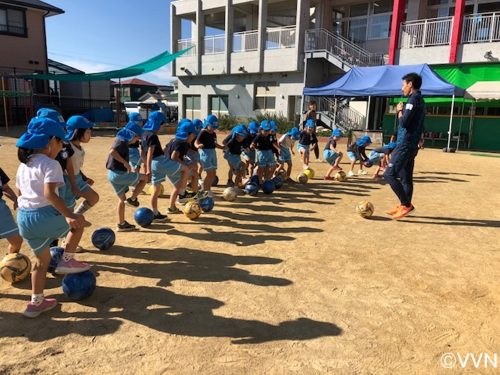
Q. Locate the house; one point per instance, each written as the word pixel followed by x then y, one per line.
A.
pixel 133 89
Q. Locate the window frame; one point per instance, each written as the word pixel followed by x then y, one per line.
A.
pixel 218 112
pixel 265 84
pixel 6 8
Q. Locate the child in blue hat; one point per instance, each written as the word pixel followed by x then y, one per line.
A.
pixel 153 156
pixel 273 137
pixel 286 143
pixel 79 130
pixel 381 157
pixel 249 154
pixel 357 152
pixel 8 227
pixel 331 155
pixel 234 143
pixel 307 142
pixel 42 214
pixel 135 124
pixel 206 142
pixel 121 175
pixel 266 163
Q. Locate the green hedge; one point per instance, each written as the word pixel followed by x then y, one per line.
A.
pixel 228 122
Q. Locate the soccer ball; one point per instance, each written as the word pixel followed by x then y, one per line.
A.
pixel 309 172
pixel 368 163
pixel 365 209
pixel 143 216
pixel 103 238
pixel 192 210
pixel 15 267
pixel 340 176
pixel 302 178
pixel 207 204
pixel 151 189
pixel 282 173
pixel 230 194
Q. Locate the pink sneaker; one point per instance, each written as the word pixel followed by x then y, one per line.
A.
pixel 32 310
pixel 71 266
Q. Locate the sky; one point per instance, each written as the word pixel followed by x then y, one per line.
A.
pixel 100 35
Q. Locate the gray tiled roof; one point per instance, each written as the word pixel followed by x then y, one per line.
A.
pixel 36 4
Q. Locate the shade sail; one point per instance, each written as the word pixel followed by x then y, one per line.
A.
pixel 384 81
pixel 484 90
pixel 134 70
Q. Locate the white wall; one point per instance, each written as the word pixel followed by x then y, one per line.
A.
pixel 425 55
pixel 475 52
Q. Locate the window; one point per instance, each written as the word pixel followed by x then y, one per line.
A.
pixel 357 30
pixel 265 96
pixel 219 105
pixel 192 106
pixel 369 21
pixel 379 26
pixel 13 21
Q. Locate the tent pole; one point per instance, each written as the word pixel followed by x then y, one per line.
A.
pixel 335 113
pixel 368 112
pixel 461 121
pixel 5 105
pixel 451 122
pixel 302 100
pixel 471 122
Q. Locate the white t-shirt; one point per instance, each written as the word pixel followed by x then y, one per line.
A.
pixel 77 158
pixel 286 141
pixel 32 177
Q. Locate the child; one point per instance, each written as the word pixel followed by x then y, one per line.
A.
pixel 380 156
pixel 206 142
pixel 307 142
pixel 134 156
pixel 79 130
pixel 234 143
pixel 249 154
pixel 153 154
pixel 357 152
pixel 331 155
pixel 193 157
pixel 266 163
pixel 121 175
pixel 274 139
pixel 8 227
pixel 176 169
pixel 286 143
pixel 42 215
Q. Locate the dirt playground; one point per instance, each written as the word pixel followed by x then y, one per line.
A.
pixel 289 283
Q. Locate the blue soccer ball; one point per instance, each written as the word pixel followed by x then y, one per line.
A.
pixel 103 238
pixel 77 286
pixel 144 216
pixel 278 182
pixel 252 189
pixel 207 204
pixel 255 180
pixel 268 187
pixel 56 254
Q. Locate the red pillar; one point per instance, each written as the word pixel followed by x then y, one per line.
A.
pixel 398 11
pixel 456 33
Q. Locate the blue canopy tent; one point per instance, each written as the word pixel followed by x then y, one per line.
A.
pixel 385 81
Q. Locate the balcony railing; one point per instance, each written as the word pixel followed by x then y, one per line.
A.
pixel 426 33
pixel 246 41
pixel 215 44
pixel 186 43
pixel 481 28
pixel 280 37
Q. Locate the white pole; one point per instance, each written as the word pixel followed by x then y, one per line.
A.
pixel 451 122
pixel 368 112
pixel 335 113
pixel 303 96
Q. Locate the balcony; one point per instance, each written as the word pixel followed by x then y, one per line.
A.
pixel 280 37
pixel 246 41
pixel 215 44
pixel 426 33
pixel 481 28
pixel 187 43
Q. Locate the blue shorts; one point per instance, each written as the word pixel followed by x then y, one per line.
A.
pixel 304 148
pixel 208 158
pixel 352 156
pixel 330 156
pixel 40 226
pixel 8 226
pixel 65 191
pixel 233 160
pixel 285 156
pixel 265 158
pixel 161 168
pixel 375 157
pixel 250 156
pixel 134 157
pixel 192 157
pixel 120 181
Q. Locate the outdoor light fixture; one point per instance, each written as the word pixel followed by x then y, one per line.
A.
pixel 241 69
pixel 183 68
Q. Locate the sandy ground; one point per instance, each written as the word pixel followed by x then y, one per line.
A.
pixel 292 283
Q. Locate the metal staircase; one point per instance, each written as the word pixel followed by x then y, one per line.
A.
pixel 337 114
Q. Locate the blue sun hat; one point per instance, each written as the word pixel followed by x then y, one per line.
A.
pixel 253 127
pixel 337 133
pixel 294 133
pixel 134 127
pixel 265 125
pixel 310 123
pixel 126 134
pixel 198 125
pixel 364 140
pixel 184 129
pixel 135 117
pixel 74 123
pixel 211 121
pixel 41 129
pixel 240 130
pixel 390 145
pixel 52 114
pixel 274 126
pixel 155 121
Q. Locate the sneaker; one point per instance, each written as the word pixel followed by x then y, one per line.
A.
pixel 201 194
pixel 133 202
pixel 230 183
pixel 173 210
pixel 184 198
pixel 125 227
pixel 71 266
pixel 32 310
pixel 87 224
pixel 394 210
pixel 210 194
pixel 328 178
pixel 362 172
pixel 159 218
pixel 350 174
pixel 402 212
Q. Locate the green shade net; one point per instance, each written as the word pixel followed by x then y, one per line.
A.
pixel 134 70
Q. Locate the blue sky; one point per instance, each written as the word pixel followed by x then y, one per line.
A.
pixel 99 35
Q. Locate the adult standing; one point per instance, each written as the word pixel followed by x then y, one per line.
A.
pixel 311 115
pixel 399 172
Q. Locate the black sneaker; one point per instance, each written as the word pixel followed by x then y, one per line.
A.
pixel 159 218
pixel 125 227
pixel 230 183
pixel 174 210
pixel 184 198
pixel 133 202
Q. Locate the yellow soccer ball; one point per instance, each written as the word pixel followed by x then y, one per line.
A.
pixel 15 267
pixel 151 189
pixel 340 176
pixel 302 178
pixel 192 210
pixel 365 209
pixel 309 172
